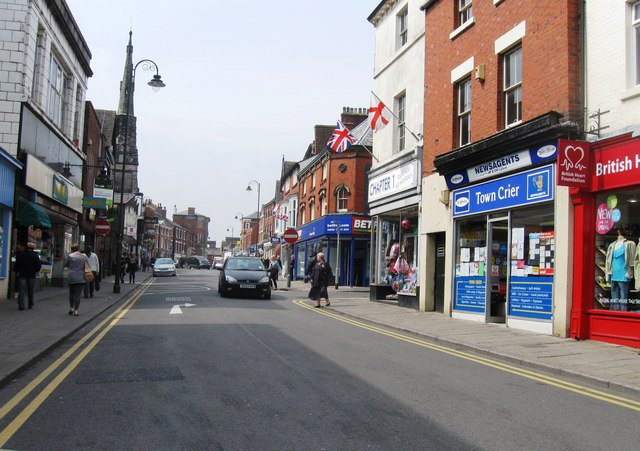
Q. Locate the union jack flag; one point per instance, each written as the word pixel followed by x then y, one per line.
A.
pixel 341 139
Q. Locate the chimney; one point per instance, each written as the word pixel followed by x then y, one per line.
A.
pixel 352 117
pixel 192 210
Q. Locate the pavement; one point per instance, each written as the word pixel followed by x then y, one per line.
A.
pixel 27 335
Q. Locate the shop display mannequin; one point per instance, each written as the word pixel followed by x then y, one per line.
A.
pixel 619 269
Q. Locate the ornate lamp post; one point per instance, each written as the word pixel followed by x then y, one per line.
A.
pixel 156 83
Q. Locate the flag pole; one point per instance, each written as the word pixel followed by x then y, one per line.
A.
pixel 404 124
pixel 359 143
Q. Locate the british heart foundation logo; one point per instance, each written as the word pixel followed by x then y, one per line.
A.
pixel 573 163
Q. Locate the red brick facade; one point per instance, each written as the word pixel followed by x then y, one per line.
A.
pixel 550 66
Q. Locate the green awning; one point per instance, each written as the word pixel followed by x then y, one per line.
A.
pixel 31 214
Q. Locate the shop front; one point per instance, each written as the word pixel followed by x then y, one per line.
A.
pixel 394 204
pixel 342 238
pixel 504 235
pixel 8 168
pixel 606 300
pixel 47 213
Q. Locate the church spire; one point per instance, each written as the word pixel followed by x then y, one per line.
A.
pixel 126 79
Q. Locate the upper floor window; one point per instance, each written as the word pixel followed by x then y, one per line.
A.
pixel 57 86
pixel 304 186
pixel 325 170
pixel 294 178
pixel 401 104
pixel 402 24
pixel 464 112
pixel 287 184
pixel 293 220
pixel 465 13
pixel 312 210
pixel 512 64
pixel 302 215
pixel 343 196
pixel 635 31
pixel 323 204
pixel 313 180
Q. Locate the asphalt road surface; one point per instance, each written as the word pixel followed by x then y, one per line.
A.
pixel 179 367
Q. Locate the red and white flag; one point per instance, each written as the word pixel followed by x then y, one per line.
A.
pixel 379 114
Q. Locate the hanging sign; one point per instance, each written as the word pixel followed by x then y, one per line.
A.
pixel 573 163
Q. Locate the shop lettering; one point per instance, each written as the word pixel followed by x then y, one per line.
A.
pixel 617 165
pixel 497 164
pixel 383 185
pixel 604 213
pixel 504 192
pixel 362 224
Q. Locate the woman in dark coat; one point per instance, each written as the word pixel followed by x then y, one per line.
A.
pixel 320 275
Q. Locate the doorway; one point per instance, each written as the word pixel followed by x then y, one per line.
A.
pixel 497 269
pixel 439 273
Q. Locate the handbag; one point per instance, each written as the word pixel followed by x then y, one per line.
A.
pixel 88 274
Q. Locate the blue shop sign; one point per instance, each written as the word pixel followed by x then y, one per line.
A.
pixel 525 188
pixel 327 226
pixel 470 294
pixel 504 164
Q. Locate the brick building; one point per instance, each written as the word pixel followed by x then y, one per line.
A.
pixel 332 207
pixel 198 226
pixel 502 86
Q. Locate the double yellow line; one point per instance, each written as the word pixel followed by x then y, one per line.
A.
pixel 99 331
pixel 538 377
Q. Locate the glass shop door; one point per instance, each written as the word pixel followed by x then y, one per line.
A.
pixel 497 269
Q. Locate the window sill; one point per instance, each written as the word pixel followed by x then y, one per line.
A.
pixel 454 34
pixel 630 93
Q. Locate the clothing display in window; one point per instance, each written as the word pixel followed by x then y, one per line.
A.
pixel 619 270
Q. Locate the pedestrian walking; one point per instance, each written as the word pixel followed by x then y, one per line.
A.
pixel 124 262
pixel 320 277
pixel 274 269
pixel 27 266
pixel 76 262
pixel 132 268
pixel 310 265
pixel 292 267
pixel 94 264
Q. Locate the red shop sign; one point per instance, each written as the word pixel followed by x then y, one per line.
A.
pixel 573 163
pixel 616 166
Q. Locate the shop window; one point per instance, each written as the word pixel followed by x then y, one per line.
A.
pixel 617 254
pixel 512 87
pixel 470 260
pixel 532 260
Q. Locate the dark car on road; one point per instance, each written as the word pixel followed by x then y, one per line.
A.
pixel 198 262
pixel 244 276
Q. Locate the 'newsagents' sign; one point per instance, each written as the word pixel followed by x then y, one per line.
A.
pixel 525 188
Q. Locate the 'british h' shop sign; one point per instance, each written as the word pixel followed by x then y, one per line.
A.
pixel 616 166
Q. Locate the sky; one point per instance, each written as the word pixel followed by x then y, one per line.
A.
pixel 246 82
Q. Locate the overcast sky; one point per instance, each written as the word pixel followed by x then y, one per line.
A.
pixel 246 83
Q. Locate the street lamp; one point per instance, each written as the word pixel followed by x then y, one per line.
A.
pixel 156 83
pixel 337 224
pixel 258 211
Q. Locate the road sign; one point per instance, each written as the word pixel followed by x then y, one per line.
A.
pixel 290 235
pixel 103 227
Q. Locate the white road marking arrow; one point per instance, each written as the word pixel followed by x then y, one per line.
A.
pixel 176 310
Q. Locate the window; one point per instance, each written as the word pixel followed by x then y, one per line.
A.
pixel 464 12
pixel 401 103
pixel 287 185
pixel 325 170
pixel 342 195
pixel 57 87
pixel 312 209
pixel 464 112
pixel 635 31
pixel 302 215
pixel 513 86
pixel 304 187
pixel 313 180
pixel 402 20
pixel 323 204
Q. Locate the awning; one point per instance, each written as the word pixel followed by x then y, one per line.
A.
pixel 31 214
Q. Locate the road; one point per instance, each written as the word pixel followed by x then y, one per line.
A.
pixel 178 367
